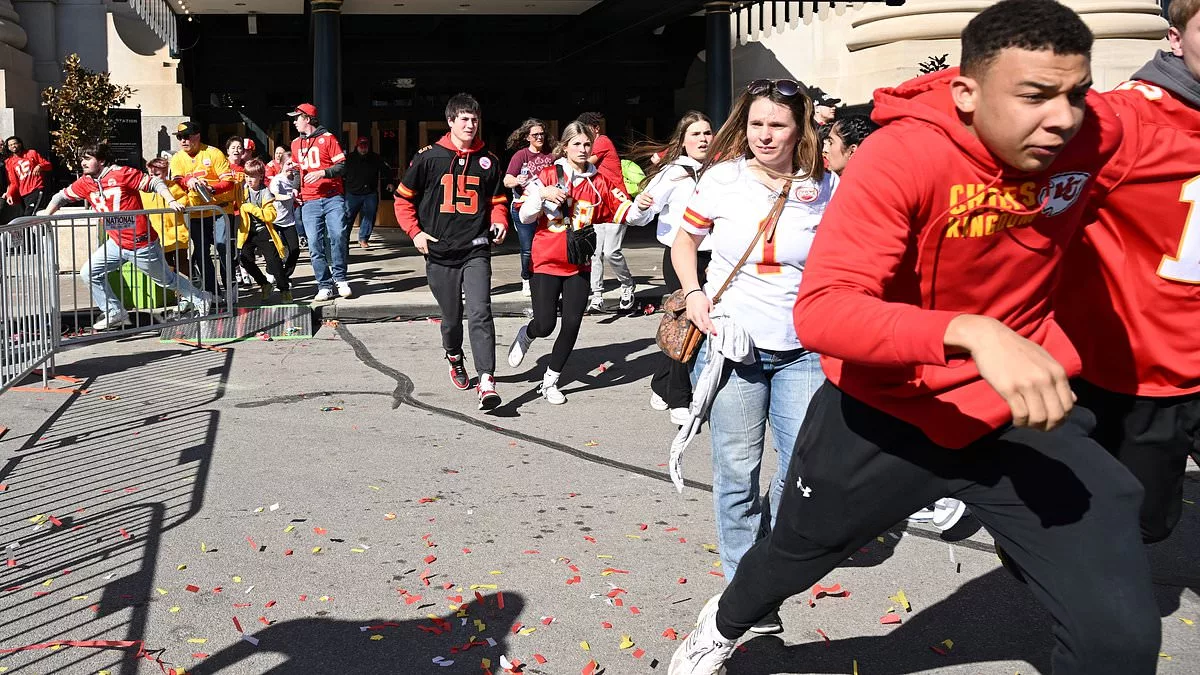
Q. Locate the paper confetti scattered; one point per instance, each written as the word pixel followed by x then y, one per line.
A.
pixel 901 599
pixel 626 642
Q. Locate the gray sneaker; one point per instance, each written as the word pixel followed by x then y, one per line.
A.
pixel 520 345
pixel 705 650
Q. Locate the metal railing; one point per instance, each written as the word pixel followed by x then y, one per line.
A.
pixel 77 277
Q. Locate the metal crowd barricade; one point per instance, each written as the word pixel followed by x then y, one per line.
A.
pixel 66 281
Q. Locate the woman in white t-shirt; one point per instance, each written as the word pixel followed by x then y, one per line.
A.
pixel 768 145
pixel 668 186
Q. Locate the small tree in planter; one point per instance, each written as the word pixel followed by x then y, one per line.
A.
pixel 79 109
pixel 934 64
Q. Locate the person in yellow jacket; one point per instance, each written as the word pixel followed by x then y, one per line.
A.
pixel 171 227
pixel 257 231
pixel 204 172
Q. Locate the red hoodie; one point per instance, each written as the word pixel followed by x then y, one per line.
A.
pixel 911 241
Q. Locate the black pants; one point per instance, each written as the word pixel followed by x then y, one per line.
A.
pixel 202 231
pixel 260 239
pixel 546 290
pixel 1063 509
pixel 672 381
pixel 448 285
pixel 291 239
pixel 32 202
pixel 1152 437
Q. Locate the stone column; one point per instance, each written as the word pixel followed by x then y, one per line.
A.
pixel 38 18
pixel 718 55
pixel 20 110
pixel 327 63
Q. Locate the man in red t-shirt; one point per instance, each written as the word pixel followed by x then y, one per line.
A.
pixel 109 188
pixel 1130 292
pixel 928 292
pixel 608 235
pixel 322 163
pixel 27 172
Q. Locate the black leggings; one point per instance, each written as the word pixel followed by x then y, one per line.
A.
pixel 672 380
pixel 546 290
pixel 291 239
pixel 261 240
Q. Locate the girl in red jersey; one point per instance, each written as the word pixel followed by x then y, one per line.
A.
pixel 568 195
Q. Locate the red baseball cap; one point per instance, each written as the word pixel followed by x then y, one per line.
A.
pixel 304 109
pixel 363 140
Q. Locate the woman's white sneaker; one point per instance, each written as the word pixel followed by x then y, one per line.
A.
pixel 519 346
pixel 657 402
pixel 705 650
pixel 551 393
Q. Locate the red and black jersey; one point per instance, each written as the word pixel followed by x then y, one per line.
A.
pixel 453 196
pixel 117 188
pixel 21 178
pixel 318 153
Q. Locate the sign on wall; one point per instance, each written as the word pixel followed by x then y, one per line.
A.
pixel 126 140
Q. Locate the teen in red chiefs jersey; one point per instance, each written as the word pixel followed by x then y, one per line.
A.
pixel 451 201
pixel 571 194
pixel 1130 292
pixel 928 293
pixel 109 188
pixel 322 163
pixel 27 172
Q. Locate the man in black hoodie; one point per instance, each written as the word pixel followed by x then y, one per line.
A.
pixel 1130 292
pixel 453 204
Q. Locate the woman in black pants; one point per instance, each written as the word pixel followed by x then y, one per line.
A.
pixel 666 189
pixel 568 195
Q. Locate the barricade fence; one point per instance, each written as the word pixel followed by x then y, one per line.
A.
pixel 84 276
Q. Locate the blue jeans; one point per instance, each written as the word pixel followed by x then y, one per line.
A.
pixel 325 227
pixel 525 235
pixel 149 259
pixel 776 388
pixel 366 205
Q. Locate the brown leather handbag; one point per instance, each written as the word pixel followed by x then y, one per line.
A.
pixel 677 336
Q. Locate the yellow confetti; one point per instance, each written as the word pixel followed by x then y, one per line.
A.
pixel 633 536
pixel 949 644
pixel 161 591
pixel 374 487
pixel 855 666
pixel 901 599
pixel 37 519
pixel 1162 655
pixel 357 550
pixel 174 609
pixel 527 631
pixel 55 648
pixel 324 598
pixel 316 549
pixel 103 672
pixel 585 646
pixel 79 597
pixel 197 641
pixel 717 564
pixel 181 567
pixel 258 510
pixel 711 548
pixel 485 663
pixel 880 540
pixel 489 587
pixel 47 582
pixel 289 528
pixel 377 637
pixel 237 580
pixel 1188 622
pixel 626 643
pixel 604 556
pixel 203 548
pixel 495 572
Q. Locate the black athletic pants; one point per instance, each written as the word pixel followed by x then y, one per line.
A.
pixel 546 290
pixel 672 381
pixel 1060 506
pixel 32 203
pixel 291 239
pixel 1152 437
pixel 261 240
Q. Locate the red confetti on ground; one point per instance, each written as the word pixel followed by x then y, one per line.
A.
pixel 320 530
pixel 671 529
pixel 612 570
pixel 642 526
pixel 539 658
pixel 288 552
pixel 590 668
pixel 639 653
pixel 269 604
pixel 500 600
pixel 242 605
pixel 834 591
pixel 682 540
pixel 634 610
pixel 938 650
pixel 429 559
pixel 617 602
pixel 887 619
pixel 823 635
pixel 532 552
pixel 682 580
pixel 252 544
pixel 717 574
pixel 3 487
pixel 605 624
pixel 263 621
pixel 56 522
pixel 547 621
pixel 516 628
pixel 426 500
pixel 199 655
pixel 591 539
pixel 670 634
pixel 303 598
pixel 238 625
pixel 192 588
pixel 466 550
pixel 124 534
pixel 574 580
pixel 446 586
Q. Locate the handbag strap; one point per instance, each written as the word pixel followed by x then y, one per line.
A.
pixel 768 224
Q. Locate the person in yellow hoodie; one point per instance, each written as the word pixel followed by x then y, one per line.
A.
pixel 257 231
pixel 171 227
pixel 203 170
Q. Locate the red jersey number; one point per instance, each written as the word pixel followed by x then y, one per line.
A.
pixel 465 200
pixel 107 201
pixel 310 159
pixel 1184 266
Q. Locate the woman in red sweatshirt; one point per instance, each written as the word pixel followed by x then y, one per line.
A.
pixel 928 294
pixel 567 195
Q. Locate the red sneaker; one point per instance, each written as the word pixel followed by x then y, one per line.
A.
pixel 458 372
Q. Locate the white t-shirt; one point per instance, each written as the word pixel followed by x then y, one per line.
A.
pixel 671 188
pixel 729 206
pixel 285 200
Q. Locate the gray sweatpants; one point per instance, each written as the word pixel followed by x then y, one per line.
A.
pixel 608 247
pixel 448 285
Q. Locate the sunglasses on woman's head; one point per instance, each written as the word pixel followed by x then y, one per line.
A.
pixel 787 88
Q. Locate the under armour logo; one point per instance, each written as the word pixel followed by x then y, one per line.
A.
pixel 804 491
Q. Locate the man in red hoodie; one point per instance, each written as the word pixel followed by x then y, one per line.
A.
pixel 928 293
pixel 452 203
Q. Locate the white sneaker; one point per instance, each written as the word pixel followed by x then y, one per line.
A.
pixel 525 288
pixel 323 295
pixel 488 398
pixel 519 346
pixel 551 393
pixel 770 624
pixel 947 512
pixel 111 322
pixel 627 297
pixel 680 416
pixel 595 305
pixel 705 651
pixel 343 288
pixel 657 402
pixel 270 278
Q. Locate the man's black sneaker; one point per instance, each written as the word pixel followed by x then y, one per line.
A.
pixel 458 372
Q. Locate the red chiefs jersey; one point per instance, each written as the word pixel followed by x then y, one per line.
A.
pixel 21 178
pixel 1129 297
pixel 318 152
pixel 118 188
pixel 591 199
